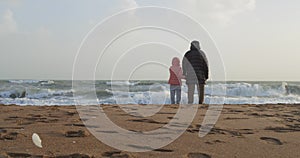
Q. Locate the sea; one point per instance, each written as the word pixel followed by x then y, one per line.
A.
pixel 61 92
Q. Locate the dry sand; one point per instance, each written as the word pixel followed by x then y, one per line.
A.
pixel 241 131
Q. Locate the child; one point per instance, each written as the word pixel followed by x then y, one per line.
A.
pixel 175 80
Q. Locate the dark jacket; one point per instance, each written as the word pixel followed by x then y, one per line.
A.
pixel 195 66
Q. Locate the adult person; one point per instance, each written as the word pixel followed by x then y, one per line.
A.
pixel 195 68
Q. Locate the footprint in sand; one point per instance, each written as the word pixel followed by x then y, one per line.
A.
pixel 79 133
pixel 76 155
pixel 2 130
pixel 146 121
pixel 198 155
pixel 11 154
pixel 164 150
pixel 10 136
pixel 115 154
pixel 271 140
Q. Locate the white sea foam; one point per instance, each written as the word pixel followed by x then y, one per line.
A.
pixel 119 92
pixel 121 83
pixel 24 81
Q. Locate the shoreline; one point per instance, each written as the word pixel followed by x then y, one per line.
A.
pixel 243 130
pixel 268 104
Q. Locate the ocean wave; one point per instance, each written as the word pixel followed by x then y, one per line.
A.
pixel 246 90
pixel 23 81
pixel 35 93
pixel 121 83
pixel 42 82
pixel 47 82
pixel 13 94
pixel 32 92
pixel 49 93
pixel 293 89
pixel 104 93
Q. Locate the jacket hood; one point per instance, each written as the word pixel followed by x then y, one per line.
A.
pixel 175 61
pixel 195 45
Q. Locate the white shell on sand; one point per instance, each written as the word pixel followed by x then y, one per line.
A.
pixel 37 140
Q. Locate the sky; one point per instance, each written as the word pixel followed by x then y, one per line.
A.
pixel 254 40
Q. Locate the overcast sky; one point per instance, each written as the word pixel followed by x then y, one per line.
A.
pixel 257 39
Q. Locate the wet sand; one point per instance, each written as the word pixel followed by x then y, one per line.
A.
pixel 241 131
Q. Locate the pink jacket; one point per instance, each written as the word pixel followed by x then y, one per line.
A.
pixel 176 73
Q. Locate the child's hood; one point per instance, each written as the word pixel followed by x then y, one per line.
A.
pixel 176 62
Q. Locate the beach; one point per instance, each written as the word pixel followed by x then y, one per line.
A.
pixel 241 131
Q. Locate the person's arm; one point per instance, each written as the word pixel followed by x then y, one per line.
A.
pixel 182 76
pixel 206 72
pixel 206 67
pixel 184 65
pixel 170 71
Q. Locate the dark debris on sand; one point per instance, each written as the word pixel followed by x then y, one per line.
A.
pixel 79 133
pixel 25 155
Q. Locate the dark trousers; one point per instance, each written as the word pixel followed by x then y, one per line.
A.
pixel 175 90
pixel 191 90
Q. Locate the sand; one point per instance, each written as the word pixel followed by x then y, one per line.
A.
pixel 242 131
